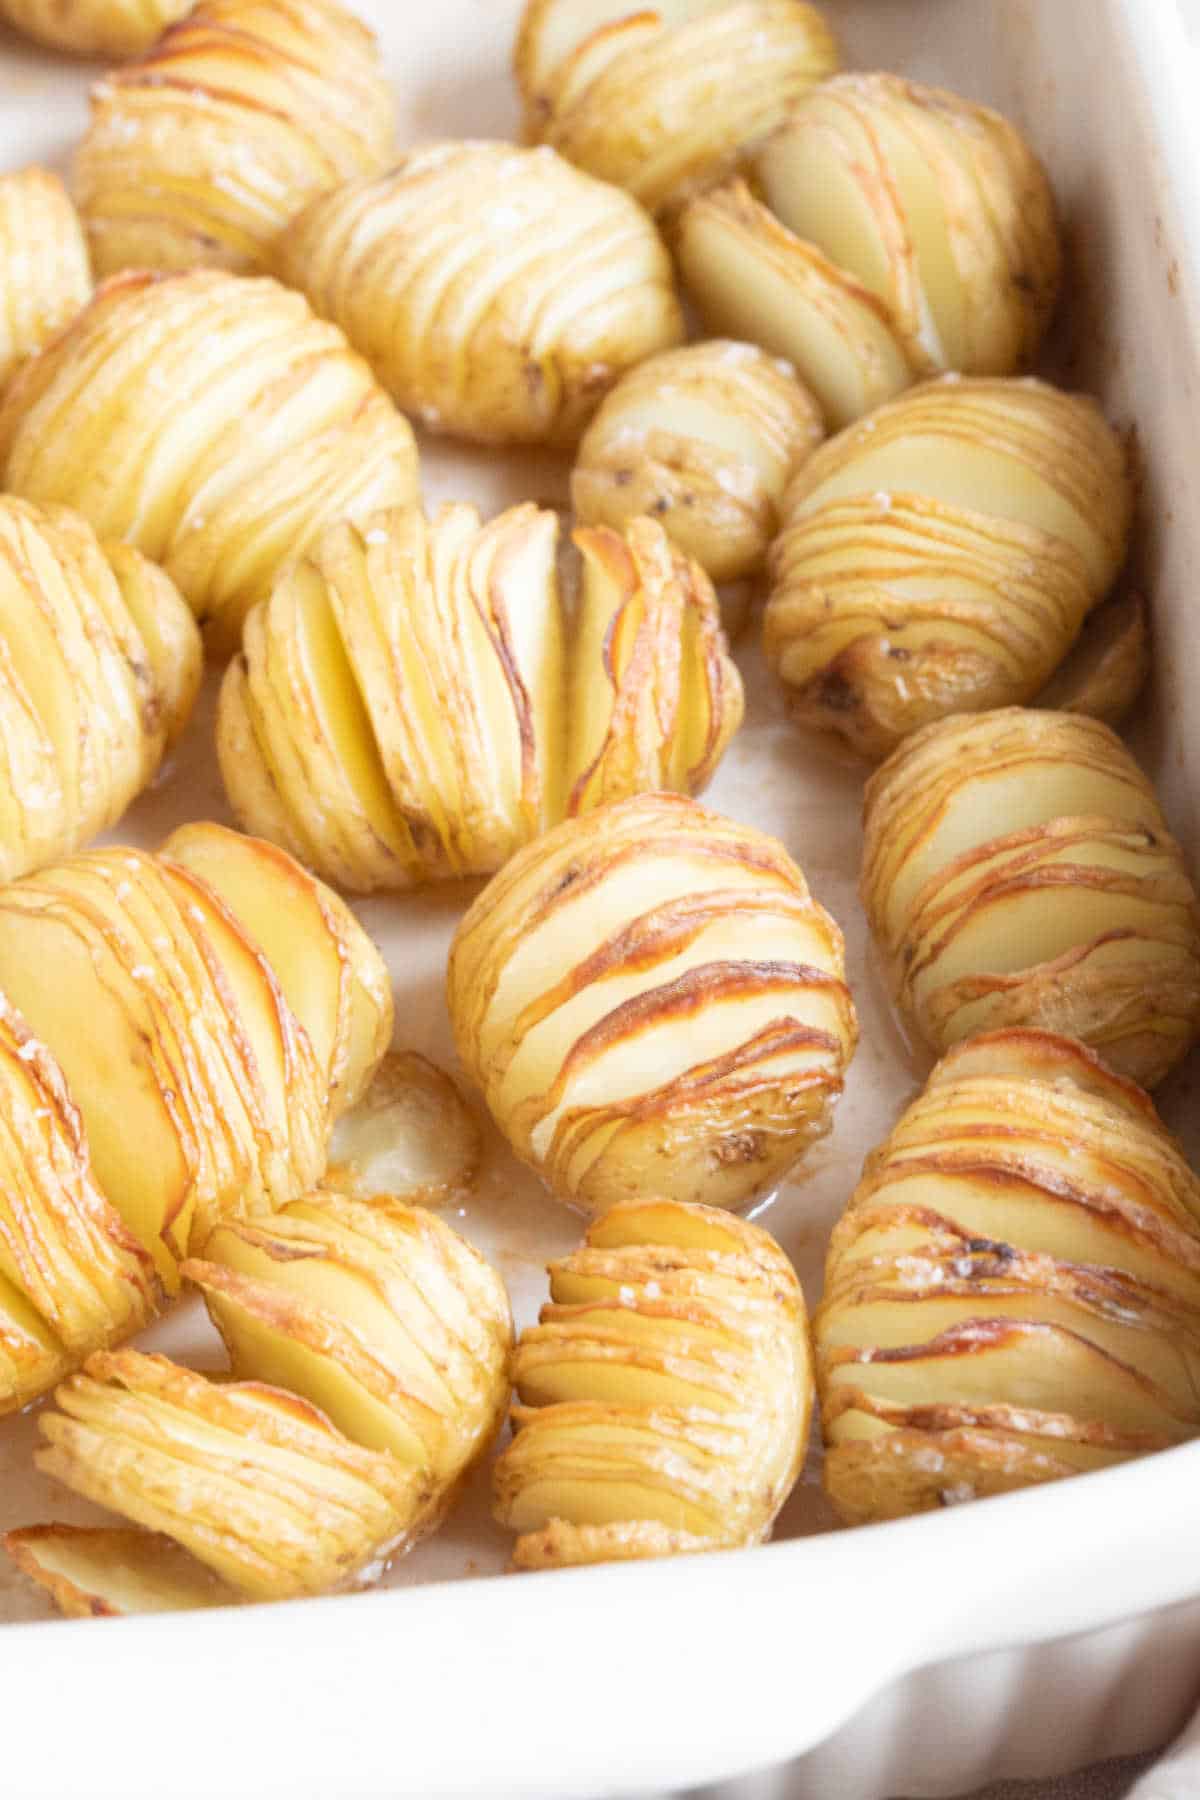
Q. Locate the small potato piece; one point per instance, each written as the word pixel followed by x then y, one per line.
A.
pixel 414 704
pixel 109 28
pixel 377 1313
pixel 44 273
pixel 941 556
pixel 256 1483
pixel 107 1574
pixel 1013 1292
pixel 100 663
pixel 935 204
pixel 1018 871
pixel 411 1137
pixel 1107 669
pixel 275 428
pixel 498 293
pixel 754 279
pixel 667 1409
pixel 650 999
pixel 703 439
pixel 199 153
pixel 647 102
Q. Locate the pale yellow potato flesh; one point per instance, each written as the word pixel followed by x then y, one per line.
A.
pixel 498 293
pixel 45 276
pixel 420 700
pixel 275 430
pixel 201 151
pixel 108 28
pixel 625 1036
pixel 1013 1292
pixel 705 440
pixel 1018 871
pixel 1107 669
pixel 672 1418
pixel 753 279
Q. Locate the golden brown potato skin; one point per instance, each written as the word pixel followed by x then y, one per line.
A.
pixel 703 439
pixel 100 663
pixel 498 293
pixel 650 999
pixel 1018 871
pixel 1013 1292
pixel 273 429
pixel 646 101
pixel 199 153
pixel 45 276
pixel 666 1392
pixel 942 555
pixel 416 701
pixel 111 28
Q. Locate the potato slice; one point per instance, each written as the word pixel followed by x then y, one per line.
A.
pixel 114 1574
pixel 411 1136
pixel 46 277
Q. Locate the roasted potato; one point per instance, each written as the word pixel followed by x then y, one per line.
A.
pixel 413 703
pixel 937 205
pixel 651 1001
pixel 703 439
pixel 644 97
pixel 666 1392
pixel 941 556
pixel 1013 1292
pixel 498 293
pixel 274 428
pixel 1017 870
pixel 202 151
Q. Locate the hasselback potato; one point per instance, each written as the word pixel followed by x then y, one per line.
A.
pixel 113 28
pixel 935 204
pixel 203 150
pixel 666 1392
pixel 412 703
pixel 644 97
pixel 498 293
pixel 203 1016
pixel 1017 870
pixel 892 231
pixel 651 1001
pixel 1013 1293
pixel 369 1347
pixel 941 556
pixel 703 439
pixel 100 663
pixel 44 272
pixel 212 422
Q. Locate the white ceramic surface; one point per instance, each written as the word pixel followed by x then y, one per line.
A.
pixel 631 1681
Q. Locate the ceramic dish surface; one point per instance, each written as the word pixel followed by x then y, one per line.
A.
pixel 632 1680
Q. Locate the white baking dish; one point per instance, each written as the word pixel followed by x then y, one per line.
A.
pixel 901 1658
